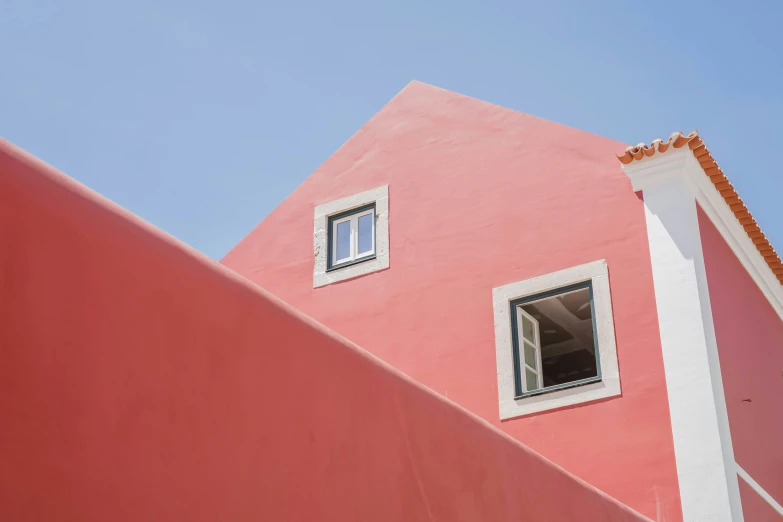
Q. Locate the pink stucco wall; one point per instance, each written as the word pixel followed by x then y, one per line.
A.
pixel 755 508
pixel 140 381
pixel 481 196
pixel 749 334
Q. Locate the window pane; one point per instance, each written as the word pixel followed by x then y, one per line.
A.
pixel 343 240
pixel 365 233
pixel 531 379
pixel 530 355
pixel 527 329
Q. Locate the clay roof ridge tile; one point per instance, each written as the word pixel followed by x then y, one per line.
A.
pixel 721 183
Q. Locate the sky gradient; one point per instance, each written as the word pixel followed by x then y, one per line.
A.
pixel 200 117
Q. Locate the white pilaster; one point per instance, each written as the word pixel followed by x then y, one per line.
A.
pixel 702 442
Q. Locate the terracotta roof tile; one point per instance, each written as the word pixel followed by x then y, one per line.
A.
pixel 711 169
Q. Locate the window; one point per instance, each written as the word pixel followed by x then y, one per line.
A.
pixel 352 237
pixel 554 340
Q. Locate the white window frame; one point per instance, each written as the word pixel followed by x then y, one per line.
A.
pixel 353 254
pixel 511 406
pixel 323 271
pixel 535 344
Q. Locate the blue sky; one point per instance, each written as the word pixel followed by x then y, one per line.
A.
pixel 201 117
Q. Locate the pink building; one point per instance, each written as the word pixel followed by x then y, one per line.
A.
pixel 596 339
pixel 622 319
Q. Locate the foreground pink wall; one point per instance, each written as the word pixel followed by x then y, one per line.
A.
pixel 140 381
pixel 750 345
pixel 480 196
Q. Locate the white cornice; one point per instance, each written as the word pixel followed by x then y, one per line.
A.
pixel 656 170
pixel 680 163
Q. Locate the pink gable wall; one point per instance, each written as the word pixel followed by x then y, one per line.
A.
pixel 750 344
pixel 140 381
pixel 481 196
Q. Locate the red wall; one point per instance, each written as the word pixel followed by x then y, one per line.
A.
pixel 755 508
pixel 141 381
pixel 750 345
pixel 481 196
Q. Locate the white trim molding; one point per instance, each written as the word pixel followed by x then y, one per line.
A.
pixel 680 163
pixel 609 386
pixel 702 441
pixel 321 275
pixel 755 486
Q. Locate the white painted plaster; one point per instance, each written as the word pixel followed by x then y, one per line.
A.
pixel 702 441
pixel 758 489
pixel 734 234
pixel 609 386
pixel 379 196
pixel 655 170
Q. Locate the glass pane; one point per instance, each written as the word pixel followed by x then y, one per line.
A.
pixel 530 355
pixel 527 329
pixel 343 240
pixel 365 233
pixel 531 379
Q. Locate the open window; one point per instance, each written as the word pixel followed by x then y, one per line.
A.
pixel 554 340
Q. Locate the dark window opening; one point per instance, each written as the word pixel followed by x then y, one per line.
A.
pixel 554 340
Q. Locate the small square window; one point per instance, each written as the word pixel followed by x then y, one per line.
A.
pixel 351 237
pixel 553 335
pixel 554 340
